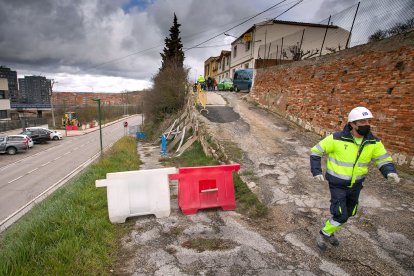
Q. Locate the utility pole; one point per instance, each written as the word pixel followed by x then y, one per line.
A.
pixel 64 114
pixel 52 82
pixel 100 122
pixel 125 102
pixel 142 113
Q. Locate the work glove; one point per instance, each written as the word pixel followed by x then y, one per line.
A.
pixel 394 177
pixel 320 178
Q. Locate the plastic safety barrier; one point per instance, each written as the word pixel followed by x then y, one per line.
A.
pixel 205 187
pixel 137 193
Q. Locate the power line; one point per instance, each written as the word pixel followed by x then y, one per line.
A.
pixel 211 46
pixel 300 1
pixel 120 58
pixel 197 46
pixel 250 18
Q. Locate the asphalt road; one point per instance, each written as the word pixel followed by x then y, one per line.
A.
pixel 26 175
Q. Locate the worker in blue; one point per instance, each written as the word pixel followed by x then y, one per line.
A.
pixel 348 154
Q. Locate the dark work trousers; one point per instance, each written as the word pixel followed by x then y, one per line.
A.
pixel 344 201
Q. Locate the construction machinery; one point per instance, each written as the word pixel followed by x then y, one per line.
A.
pixel 70 119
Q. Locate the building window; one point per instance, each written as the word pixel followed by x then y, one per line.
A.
pixel 227 60
pixel 3 114
pixel 235 51
pixel 2 94
pixel 247 45
pixel 246 65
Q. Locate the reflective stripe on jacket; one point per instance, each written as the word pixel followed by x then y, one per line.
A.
pixel 347 162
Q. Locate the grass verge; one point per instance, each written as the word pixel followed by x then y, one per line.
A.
pixel 247 201
pixel 69 233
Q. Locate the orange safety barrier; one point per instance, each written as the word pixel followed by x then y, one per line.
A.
pixel 205 187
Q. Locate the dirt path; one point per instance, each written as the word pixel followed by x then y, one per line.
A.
pixel 378 241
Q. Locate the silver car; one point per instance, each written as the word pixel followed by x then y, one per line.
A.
pixel 13 144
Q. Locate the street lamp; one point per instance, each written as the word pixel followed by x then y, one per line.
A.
pixel 100 124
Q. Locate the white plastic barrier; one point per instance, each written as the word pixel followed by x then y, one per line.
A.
pixel 137 193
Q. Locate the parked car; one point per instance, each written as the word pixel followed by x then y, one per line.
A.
pixel 225 85
pixel 37 135
pixel 54 135
pixel 28 139
pixel 243 79
pixel 12 145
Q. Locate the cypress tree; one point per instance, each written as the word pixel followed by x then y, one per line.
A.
pixel 173 54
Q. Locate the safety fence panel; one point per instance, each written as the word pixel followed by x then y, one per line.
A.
pixel 367 21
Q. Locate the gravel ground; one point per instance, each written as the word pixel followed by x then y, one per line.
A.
pixel 378 241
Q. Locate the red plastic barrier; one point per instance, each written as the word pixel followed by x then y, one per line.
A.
pixel 205 187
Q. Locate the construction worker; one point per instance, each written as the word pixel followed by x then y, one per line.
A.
pixel 349 153
pixel 201 81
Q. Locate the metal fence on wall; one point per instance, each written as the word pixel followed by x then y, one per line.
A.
pixel 366 21
pixel 22 123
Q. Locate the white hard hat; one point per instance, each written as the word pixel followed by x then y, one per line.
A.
pixel 359 113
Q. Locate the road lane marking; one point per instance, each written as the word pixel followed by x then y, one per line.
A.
pixel 57 158
pixel 45 164
pixel 11 181
pixel 25 208
pixel 32 170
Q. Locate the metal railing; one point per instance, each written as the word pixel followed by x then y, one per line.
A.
pixel 21 123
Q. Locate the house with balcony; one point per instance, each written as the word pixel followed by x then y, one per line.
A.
pixel 223 65
pixel 4 99
pixel 275 42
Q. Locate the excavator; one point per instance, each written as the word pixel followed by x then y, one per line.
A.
pixel 70 120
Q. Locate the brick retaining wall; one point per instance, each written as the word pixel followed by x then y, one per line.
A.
pixel 318 93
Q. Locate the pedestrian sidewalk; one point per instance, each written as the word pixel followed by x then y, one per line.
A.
pixel 214 99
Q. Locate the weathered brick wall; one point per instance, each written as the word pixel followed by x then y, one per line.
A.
pixel 319 93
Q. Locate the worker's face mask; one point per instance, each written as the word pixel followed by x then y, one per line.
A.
pixel 363 130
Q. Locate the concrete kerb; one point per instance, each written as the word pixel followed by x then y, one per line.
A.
pixel 89 130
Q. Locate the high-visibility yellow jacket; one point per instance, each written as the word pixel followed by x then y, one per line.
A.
pixel 347 162
pixel 200 79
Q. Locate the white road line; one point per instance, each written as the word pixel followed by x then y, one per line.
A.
pixel 45 164
pixel 32 170
pixel 57 158
pixel 66 153
pixel 14 179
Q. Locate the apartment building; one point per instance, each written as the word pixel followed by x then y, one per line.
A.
pixel 4 99
pixel 35 90
pixel 211 66
pixel 223 65
pixel 11 77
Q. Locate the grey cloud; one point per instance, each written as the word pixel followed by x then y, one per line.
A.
pixel 331 7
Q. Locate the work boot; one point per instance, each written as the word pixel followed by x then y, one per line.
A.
pixel 323 240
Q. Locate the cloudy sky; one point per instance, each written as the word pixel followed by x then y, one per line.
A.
pixel 115 45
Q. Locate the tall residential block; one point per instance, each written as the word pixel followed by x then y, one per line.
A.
pixel 4 99
pixel 35 90
pixel 11 77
